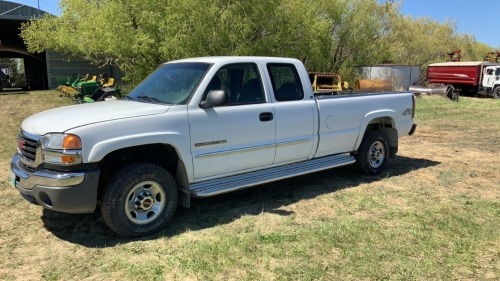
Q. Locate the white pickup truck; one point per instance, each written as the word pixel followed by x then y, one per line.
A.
pixel 197 128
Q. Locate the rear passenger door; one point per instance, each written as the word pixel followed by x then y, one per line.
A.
pixel 294 114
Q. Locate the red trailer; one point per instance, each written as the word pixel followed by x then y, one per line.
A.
pixel 463 75
pixel 467 78
pixel 463 78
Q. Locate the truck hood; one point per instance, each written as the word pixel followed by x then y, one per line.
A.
pixel 69 117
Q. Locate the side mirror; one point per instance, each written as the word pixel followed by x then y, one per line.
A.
pixel 215 98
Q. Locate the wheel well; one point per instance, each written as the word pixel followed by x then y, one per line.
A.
pixel 387 126
pixel 380 123
pixel 162 155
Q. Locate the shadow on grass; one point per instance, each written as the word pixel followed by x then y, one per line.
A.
pixel 13 91
pixel 89 229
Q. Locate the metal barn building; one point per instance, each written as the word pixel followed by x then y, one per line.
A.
pixel 400 76
pixel 41 70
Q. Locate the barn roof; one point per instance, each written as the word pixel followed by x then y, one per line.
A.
pixel 16 11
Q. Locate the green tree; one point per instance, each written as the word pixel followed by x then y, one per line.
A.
pixel 327 35
pixel 138 35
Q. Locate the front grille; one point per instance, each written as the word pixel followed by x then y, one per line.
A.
pixel 28 168
pixel 27 147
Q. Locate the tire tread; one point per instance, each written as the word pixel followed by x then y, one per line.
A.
pixel 361 157
pixel 118 187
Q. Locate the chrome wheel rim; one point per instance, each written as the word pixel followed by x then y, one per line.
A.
pixel 377 154
pixel 145 202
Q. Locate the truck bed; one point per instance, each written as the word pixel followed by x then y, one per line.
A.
pixel 347 94
pixel 344 117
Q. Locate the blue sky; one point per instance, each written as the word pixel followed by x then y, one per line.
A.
pixel 475 17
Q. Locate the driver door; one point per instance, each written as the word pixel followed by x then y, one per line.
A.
pixel 238 136
pixel 488 77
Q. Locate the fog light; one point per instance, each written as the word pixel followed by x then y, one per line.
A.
pixel 68 159
pixel 59 159
pixel 52 159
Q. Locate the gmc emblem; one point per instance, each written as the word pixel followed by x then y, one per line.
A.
pixel 21 144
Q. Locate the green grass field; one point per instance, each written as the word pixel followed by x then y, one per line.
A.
pixel 434 215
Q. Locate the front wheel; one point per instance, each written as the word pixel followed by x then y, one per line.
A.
pixel 496 93
pixel 373 153
pixel 139 200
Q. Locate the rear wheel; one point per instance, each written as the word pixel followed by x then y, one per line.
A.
pixel 373 153
pixel 139 200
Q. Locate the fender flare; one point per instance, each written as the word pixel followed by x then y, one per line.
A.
pixel 369 117
pixel 181 145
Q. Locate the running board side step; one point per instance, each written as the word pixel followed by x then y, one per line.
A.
pixel 232 183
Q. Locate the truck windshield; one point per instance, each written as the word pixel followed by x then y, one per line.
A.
pixel 170 84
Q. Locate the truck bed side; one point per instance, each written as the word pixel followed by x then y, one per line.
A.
pixel 343 119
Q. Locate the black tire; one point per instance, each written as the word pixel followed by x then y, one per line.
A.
pixel 373 153
pixel 139 200
pixel 452 94
pixel 496 93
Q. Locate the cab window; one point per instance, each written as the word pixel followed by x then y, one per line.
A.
pixel 285 81
pixel 241 82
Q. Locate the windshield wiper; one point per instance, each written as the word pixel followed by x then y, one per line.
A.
pixel 151 99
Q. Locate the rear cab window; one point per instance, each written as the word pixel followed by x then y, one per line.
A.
pixel 285 81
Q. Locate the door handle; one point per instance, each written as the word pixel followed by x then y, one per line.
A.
pixel 266 116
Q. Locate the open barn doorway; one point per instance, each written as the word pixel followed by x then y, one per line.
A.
pixel 25 70
pixel 12 74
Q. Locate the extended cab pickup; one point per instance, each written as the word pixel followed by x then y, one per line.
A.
pixel 196 128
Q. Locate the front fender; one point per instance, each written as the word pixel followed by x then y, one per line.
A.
pixel 177 141
pixel 171 128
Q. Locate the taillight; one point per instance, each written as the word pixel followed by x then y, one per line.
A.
pixel 414 101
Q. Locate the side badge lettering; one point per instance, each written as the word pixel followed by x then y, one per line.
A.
pixel 210 143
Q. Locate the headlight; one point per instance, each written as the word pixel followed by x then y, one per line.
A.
pixel 61 141
pixel 62 149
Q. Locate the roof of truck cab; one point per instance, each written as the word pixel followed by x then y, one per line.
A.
pixel 233 59
pixel 464 63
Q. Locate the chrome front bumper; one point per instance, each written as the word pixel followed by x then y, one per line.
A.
pixel 69 192
pixel 44 177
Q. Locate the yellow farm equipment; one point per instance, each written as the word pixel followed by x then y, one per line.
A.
pixel 327 82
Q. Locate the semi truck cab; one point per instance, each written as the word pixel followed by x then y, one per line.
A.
pixel 491 77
